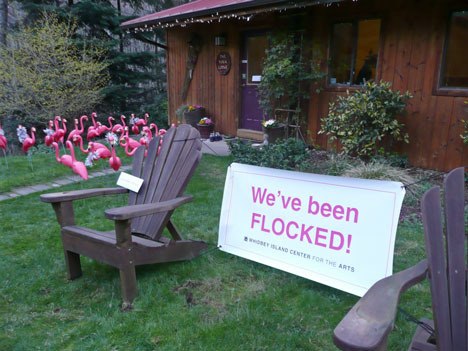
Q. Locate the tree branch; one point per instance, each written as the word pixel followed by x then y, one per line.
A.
pixel 144 39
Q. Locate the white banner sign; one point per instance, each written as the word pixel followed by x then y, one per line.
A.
pixel 334 230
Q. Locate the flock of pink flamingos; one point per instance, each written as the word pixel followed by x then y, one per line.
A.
pixel 115 135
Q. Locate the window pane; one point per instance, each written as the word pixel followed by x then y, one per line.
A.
pixel 341 53
pixel 256 47
pixel 455 70
pixel 366 51
pixel 354 50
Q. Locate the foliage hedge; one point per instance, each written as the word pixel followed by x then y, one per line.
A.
pixel 290 154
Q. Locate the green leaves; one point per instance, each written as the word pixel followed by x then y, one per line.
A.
pixel 288 153
pixel 287 73
pixel 363 120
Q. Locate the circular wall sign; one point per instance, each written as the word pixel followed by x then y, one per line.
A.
pixel 223 63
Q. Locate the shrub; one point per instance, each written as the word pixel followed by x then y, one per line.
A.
pixel 464 136
pixel 392 158
pixel 362 120
pixel 382 170
pixel 334 164
pixel 289 154
pixel 43 73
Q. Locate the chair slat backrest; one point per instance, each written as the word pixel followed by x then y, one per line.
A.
pixel 165 174
pixel 447 261
pixel 456 254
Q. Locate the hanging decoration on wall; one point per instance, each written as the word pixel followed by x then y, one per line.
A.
pixel 223 63
pixel 195 45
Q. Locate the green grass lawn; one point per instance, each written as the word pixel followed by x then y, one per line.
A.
pixel 236 304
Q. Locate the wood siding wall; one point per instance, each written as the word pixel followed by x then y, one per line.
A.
pixel 219 94
pixel 412 41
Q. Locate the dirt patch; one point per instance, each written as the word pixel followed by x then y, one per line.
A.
pixel 199 292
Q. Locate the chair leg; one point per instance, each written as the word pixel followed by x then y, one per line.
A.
pixel 128 284
pixel 73 263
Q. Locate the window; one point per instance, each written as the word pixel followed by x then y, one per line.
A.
pixel 256 47
pixel 353 52
pixel 454 72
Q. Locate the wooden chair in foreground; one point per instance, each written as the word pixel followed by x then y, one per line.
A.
pixel 368 323
pixel 137 239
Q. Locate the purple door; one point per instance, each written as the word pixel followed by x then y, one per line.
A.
pixel 253 53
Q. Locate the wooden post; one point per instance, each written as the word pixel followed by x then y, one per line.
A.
pixel 128 281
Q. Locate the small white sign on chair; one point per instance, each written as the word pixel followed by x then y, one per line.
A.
pixel 334 230
pixel 129 182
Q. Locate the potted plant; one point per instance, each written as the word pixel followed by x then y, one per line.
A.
pixel 205 126
pixel 274 130
pixel 193 114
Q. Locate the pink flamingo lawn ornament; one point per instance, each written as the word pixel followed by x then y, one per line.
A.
pixel 103 129
pixel 157 133
pixel 130 143
pixel 29 141
pixel 147 135
pixel 92 130
pixel 140 122
pixel 49 132
pixel 59 133
pixel 128 151
pixel 95 151
pixel 65 160
pixel 119 128
pixel 114 160
pixel 78 167
pixel 3 139
pixel 26 141
pixel 92 146
pixel 3 143
pixel 133 120
pixel 77 131
pixel 77 140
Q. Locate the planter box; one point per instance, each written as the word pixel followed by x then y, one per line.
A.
pixel 193 117
pixel 275 134
pixel 205 130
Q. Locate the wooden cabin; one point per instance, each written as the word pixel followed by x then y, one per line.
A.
pixel 215 51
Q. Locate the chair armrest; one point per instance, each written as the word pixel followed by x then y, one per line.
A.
pixel 133 211
pixel 367 325
pixel 80 194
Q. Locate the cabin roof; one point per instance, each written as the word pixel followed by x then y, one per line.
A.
pixel 202 11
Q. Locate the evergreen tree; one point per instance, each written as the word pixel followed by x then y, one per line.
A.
pixel 3 21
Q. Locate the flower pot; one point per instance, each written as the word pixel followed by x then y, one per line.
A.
pixel 205 130
pixel 193 117
pixel 275 133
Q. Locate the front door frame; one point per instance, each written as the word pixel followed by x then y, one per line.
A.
pixel 249 126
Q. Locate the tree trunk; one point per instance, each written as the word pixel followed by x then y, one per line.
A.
pixel 119 11
pixel 3 21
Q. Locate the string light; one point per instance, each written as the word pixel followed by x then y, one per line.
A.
pixel 242 16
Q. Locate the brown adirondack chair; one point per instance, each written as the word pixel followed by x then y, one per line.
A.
pixel 368 323
pixel 137 239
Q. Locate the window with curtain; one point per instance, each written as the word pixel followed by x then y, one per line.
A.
pixel 454 70
pixel 354 52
